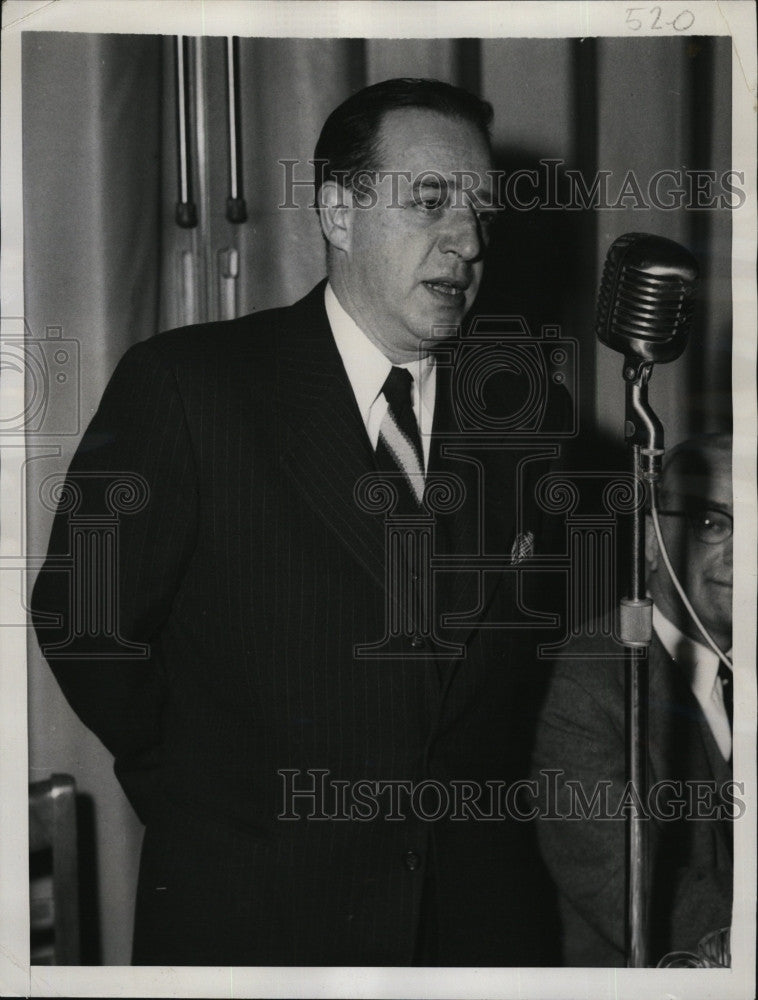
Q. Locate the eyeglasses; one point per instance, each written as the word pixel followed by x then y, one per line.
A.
pixel 712 527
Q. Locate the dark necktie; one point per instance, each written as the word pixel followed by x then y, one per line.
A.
pixel 398 449
pixel 727 688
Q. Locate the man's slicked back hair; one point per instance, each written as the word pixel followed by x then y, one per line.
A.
pixel 350 139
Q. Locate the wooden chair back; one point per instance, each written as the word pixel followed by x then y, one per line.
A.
pixel 53 869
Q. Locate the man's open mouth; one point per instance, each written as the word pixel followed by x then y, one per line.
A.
pixel 453 290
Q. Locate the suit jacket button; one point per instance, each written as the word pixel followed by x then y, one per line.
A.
pixel 412 861
pixel 418 642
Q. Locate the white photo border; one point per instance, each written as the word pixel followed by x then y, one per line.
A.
pixel 557 18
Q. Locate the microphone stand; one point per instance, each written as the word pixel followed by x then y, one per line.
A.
pixel 644 437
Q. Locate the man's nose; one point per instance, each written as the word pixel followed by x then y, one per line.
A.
pixel 462 234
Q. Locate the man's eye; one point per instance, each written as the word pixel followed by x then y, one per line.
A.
pixel 430 202
pixel 713 523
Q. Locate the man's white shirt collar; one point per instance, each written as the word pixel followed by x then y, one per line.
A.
pixel 701 666
pixel 367 369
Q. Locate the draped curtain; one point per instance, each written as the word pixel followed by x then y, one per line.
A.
pixel 106 265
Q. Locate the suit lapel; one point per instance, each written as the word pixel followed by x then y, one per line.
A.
pixel 326 449
pixel 455 589
pixel 677 717
pixel 720 768
pixel 690 737
pixel 682 744
pixel 481 524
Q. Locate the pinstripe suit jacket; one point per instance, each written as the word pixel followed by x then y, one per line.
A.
pixel 249 573
pixel 582 733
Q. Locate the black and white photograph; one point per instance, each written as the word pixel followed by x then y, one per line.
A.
pixel 378 485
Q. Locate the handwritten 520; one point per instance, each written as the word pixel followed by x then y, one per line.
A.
pixel 651 19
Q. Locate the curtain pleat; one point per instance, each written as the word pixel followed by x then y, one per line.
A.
pixel 289 87
pixel 91 267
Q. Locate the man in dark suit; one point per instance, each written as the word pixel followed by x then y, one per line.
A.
pixel 581 735
pixel 295 677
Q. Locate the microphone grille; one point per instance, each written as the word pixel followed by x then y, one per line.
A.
pixel 646 298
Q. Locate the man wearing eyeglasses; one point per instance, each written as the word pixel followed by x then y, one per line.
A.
pixel 581 736
pixel 696 522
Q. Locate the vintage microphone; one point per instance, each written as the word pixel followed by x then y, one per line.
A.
pixel 645 308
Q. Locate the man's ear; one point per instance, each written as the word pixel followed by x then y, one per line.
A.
pixel 335 214
pixel 651 545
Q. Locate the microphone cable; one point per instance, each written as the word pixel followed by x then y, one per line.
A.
pixel 675 580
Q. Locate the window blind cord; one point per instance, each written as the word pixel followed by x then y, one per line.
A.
pixel 236 209
pixel 186 210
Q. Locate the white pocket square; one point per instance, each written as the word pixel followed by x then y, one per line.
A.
pixel 522 548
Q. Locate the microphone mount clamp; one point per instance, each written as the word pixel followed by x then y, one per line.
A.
pixel 643 430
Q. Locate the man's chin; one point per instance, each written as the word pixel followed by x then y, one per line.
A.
pixel 438 330
pixel 443 323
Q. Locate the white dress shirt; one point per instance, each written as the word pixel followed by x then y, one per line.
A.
pixel 701 667
pixel 367 369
